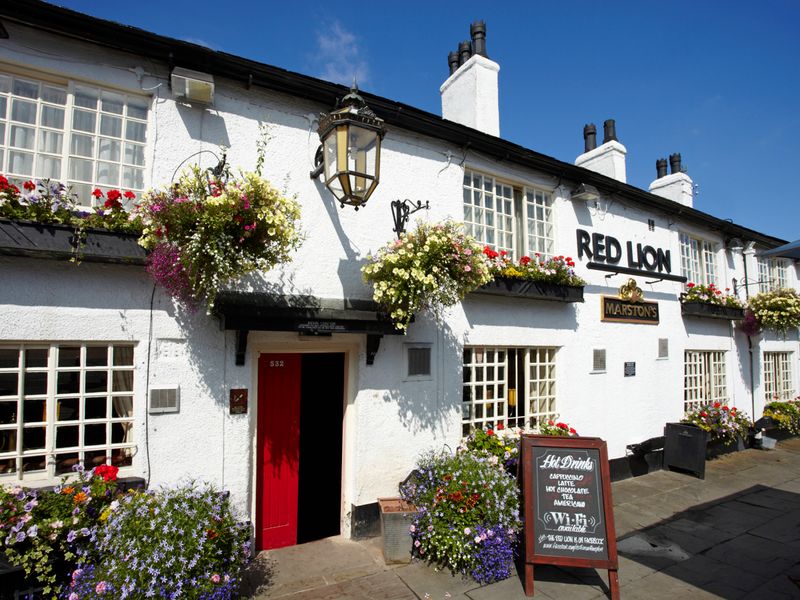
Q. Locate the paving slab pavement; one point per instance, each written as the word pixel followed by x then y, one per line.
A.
pixel 734 535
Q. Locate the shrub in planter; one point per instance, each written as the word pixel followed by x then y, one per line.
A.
pixel 500 445
pixel 720 421
pixel 184 542
pixel 557 270
pixel 43 529
pixel 467 515
pixel 49 201
pixel 786 415
pixel 710 294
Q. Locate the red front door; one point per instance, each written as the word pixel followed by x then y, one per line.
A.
pixel 278 455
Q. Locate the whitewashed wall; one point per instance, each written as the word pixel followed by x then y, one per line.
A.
pixel 388 421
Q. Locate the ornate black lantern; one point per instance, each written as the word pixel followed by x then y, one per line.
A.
pixel 350 155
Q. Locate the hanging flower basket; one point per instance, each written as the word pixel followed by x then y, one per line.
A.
pixel 778 310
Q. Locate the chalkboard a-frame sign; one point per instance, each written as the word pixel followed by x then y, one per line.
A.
pixel 569 518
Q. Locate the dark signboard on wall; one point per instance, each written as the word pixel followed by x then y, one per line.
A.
pixel 238 402
pixel 625 311
pixel 569 518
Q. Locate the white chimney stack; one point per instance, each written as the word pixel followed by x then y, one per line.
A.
pixel 677 186
pixel 469 95
pixel 609 158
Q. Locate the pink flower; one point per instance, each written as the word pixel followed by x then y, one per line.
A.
pixel 215 578
pixel 100 588
pixel 467 268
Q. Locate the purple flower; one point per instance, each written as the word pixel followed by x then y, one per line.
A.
pixel 33 531
pixel 21 536
pixel 71 536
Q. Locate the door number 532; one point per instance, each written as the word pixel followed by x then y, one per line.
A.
pixel 276 363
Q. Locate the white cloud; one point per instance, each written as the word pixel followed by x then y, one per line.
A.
pixel 200 42
pixel 339 56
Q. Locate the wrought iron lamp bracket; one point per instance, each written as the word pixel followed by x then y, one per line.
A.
pixel 402 210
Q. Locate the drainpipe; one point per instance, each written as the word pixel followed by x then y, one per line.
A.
pixel 745 251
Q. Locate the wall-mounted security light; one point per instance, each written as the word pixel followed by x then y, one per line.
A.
pixel 349 157
pixel 192 86
pixel 734 244
pixel 585 193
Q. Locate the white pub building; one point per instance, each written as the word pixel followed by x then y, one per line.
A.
pixel 97 364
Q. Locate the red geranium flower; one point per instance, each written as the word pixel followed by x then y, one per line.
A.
pixel 490 432
pixel 97 193
pixel 572 431
pixel 717 405
pixel 129 195
pixel 107 472
pixel 524 260
pixel 3 182
pixel 500 426
pixel 29 185
pixel 690 285
pixel 114 195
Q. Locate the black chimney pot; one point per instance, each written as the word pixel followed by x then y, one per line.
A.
pixel 675 163
pixel 609 130
pixel 661 168
pixel 589 137
pixel 452 62
pixel 464 52
pixel 477 32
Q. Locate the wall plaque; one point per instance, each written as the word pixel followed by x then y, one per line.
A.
pixel 238 402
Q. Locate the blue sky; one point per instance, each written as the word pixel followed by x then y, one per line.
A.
pixel 717 81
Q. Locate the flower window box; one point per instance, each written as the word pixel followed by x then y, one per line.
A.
pixel 538 290
pixel 45 240
pixel 711 311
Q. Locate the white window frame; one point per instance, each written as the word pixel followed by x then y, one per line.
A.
pixel 699 260
pixel 516 218
pixel 704 378
pixel 117 141
pixel 773 273
pixel 56 401
pixel 486 398
pixel 778 384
